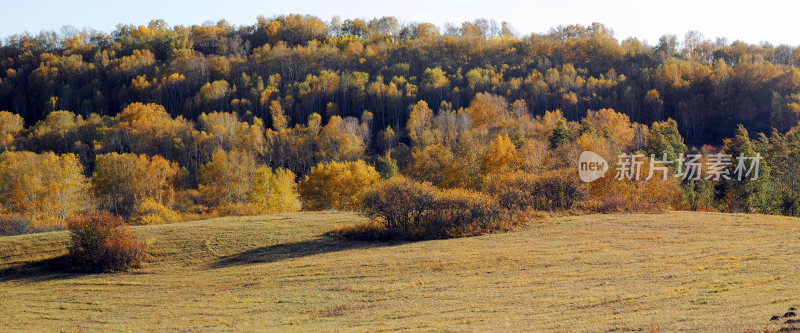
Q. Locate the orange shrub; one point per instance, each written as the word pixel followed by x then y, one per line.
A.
pixel 103 242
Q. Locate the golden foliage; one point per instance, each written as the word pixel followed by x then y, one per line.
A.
pixel 148 128
pixel 438 165
pixel 533 154
pixel 488 109
pixel 274 191
pixel 613 125
pixel 342 139
pixel 47 188
pixel 337 185
pixel 501 157
pixel 227 178
pixel 224 130
pixel 10 125
pixel 279 121
pixel 419 122
pixel 122 182
pixel 599 145
pixel 153 212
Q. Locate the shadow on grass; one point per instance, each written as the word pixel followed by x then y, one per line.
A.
pixel 38 271
pixel 279 252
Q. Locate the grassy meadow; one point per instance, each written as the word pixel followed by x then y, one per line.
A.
pixel 679 271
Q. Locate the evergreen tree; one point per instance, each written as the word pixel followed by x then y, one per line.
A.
pixel 746 194
pixel 559 136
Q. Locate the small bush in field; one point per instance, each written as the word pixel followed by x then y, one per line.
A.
pixel 402 204
pixel 407 209
pixel 152 212
pixel 11 225
pixel 553 190
pixel 103 242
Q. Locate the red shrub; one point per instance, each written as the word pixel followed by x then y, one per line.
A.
pixel 103 242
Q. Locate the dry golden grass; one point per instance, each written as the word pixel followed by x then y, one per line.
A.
pixel 667 272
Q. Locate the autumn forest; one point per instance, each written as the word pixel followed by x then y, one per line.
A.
pixel 433 131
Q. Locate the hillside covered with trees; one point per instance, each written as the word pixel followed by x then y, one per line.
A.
pixel 308 66
pixel 457 124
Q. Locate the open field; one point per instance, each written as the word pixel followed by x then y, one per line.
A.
pixel 674 271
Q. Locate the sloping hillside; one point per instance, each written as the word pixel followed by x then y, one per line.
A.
pixel 675 271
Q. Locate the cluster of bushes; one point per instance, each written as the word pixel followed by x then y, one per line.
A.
pixel 402 208
pixel 552 190
pixel 408 209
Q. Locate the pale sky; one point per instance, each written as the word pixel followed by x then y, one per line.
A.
pixel 753 22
